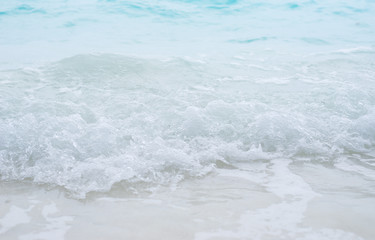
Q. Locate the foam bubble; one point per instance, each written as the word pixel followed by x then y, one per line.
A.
pixel 91 121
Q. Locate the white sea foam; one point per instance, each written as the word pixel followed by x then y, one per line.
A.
pixel 14 217
pixel 90 121
pixel 55 228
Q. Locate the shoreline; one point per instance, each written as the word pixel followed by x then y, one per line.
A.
pixel 264 200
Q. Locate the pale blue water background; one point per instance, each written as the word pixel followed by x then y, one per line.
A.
pixel 39 30
pixel 241 119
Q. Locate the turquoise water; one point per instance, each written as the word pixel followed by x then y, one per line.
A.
pixel 119 97
pixel 50 30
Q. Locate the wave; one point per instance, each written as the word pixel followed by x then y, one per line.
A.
pixel 89 122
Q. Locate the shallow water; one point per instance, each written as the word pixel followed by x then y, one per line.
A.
pixel 264 200
pixel 187 119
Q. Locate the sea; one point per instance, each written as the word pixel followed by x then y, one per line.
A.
pixel 187 119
